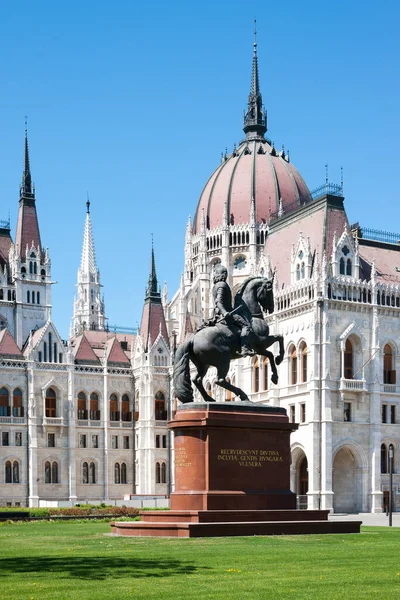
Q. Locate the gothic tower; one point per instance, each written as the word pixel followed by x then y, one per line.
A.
pixel 29 263
pixel 88 306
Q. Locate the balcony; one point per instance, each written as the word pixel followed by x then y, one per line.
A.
pixel 58 421
pixel 391 388
pixel 12 420
pixel 353 385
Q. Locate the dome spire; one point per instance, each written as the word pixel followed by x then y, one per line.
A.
pixel 26 186
pixel 255 121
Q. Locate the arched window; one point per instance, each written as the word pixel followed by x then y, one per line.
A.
pixel 94 407
pixel 390 454
pixel 256 375
pixel 137 406
pixel 348 360
pixel 304 362
pixel 47 472
pixel 265 374
pixel 50 403
pixel 85 473
pixel 126 415
pixel 297 272
pixel 158 473
pixel 160 407
pixel 384 459
pixel 341 266
pixel 28 296
pixel 389 374
pixel 8 472
pixel 92 473
pixel 82 410
pixel 293 365
pixel 37 297
pixel 163 473
pixel 4 402
pixel 303 270
pixel 18 409
pixel 54 472
pixel 114 413
pixel 123 473
pixel 51 474
pixel 117 473
pixel 30 267
pixel 15 471
pixel 348 267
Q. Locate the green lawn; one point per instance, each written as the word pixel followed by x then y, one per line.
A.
pixel 44 560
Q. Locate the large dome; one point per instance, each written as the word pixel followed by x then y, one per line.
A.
pixel 255 170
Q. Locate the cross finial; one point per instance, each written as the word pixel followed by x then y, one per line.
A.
pixel 255 35
pixel 87 203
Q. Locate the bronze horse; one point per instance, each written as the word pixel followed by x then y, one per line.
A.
pixel 217 345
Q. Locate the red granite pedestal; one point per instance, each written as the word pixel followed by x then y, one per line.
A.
pixel 232 477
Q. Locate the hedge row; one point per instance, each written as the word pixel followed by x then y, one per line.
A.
pixel 76 511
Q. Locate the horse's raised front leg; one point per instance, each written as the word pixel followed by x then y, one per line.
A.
pixel 270 356
pixel 279 358
pixel 222 382
pixel 198 382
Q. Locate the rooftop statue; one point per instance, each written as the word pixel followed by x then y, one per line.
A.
pixel 230 334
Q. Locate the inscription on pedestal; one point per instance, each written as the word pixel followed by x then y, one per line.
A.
pixel 249 457
pixel 181 458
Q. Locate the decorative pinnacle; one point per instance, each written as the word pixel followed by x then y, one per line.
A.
pixel 88 258
pixel 26 186
pixel 87 203
pixel 255 121
pixel 152 290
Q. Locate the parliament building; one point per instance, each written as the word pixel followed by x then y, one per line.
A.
pixel 86 419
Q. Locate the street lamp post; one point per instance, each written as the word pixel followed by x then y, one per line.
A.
pixel 390 484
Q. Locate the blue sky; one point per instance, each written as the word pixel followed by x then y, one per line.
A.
pixel 134 103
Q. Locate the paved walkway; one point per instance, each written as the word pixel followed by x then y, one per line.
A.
pixel 371 519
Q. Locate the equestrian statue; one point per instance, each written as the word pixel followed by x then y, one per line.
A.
pixel 232 332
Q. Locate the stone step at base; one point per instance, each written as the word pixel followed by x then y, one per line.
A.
pixel 219 529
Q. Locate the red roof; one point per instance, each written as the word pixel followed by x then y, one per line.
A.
pixel 5 243
pixel 153 321
pixel 27 227
pixel 83 352
pixel 103 343
pixel 318 221
pixel 8 346
pixel 114 353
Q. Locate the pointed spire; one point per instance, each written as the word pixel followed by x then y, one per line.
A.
pixel 88 259
pixel 27 234
pixel 255 121
pixel 152 291
pixel 27 190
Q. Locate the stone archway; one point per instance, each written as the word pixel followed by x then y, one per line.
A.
pixel 346 482
pixel 300 477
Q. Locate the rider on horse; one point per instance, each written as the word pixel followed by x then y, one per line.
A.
pixel 222 297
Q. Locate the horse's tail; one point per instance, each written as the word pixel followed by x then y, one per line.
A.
pixel 182 384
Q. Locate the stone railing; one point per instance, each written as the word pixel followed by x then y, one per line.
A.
pixel 391 388
pixel 352 385
pixel 13 420
pixel 53 421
